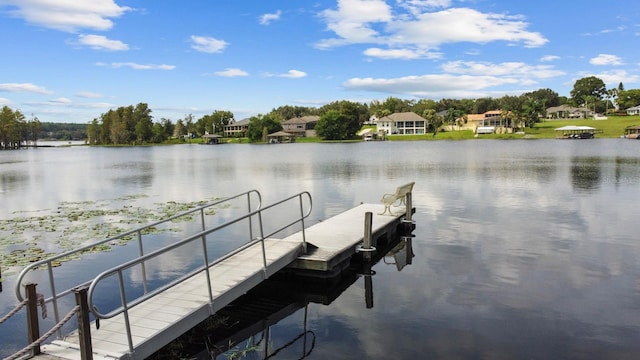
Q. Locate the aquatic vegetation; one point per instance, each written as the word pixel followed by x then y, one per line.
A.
pixel 23 239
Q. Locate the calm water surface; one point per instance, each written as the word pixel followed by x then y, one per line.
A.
pixel 523 249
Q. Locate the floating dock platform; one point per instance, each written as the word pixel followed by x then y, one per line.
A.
pixel 151 324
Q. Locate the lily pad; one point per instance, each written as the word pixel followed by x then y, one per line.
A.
pixel 71 225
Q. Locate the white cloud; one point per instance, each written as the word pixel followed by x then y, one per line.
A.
pixel 97 105
pixel 548 58
pixel 231 72
pixel 266 19
pixel 24 87
pixel 404 54
pixel 89 95
pixel 431 85
pixel 462 79
pixel 60 101
pixel 291 74
pixel 100 42
pixel 463 25
pixel 606 59
pixel 5 102
pixel 372 21
pixel 510 69
pixel 614 77
pixel 207 44
pixel 136 66
pixel 473 52
pixel 353 20
pixel 418 6
pixel 68 15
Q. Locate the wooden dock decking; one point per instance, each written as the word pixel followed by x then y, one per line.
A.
pixel 162 318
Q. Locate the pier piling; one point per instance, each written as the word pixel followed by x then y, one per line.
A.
pixel 33 326
pixel 84 328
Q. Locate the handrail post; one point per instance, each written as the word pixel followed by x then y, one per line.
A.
pixel 207 267
pixel 32 316
pixel 304 239
pixel 84 327
pixel 54 295
pixel 142 265
pixel 202 219
pixel 125 311
pixel 250 217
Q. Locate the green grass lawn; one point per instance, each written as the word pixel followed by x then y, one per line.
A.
pixel 613 127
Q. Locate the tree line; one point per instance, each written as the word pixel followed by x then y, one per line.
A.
pixel 134 125
pixel 338 120
pixel 16 131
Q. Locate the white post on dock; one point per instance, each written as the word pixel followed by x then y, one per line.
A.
pixel 366 246
pixel 408 204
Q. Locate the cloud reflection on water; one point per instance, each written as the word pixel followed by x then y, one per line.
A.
pixel 523 249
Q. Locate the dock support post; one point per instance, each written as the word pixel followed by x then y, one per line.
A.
pixel 368 224
pixel 368 249
pixel 84 329
pixel 368 287
pixel 409 210
pixel 32 316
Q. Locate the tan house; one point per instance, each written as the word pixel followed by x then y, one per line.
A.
pixel 405 123
pixel 490 122
pixel 491 118
pixel 236 128
pixel 301 126
pixel 568 112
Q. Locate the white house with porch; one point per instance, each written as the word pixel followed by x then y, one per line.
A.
pixel 633 110
pixel 404 123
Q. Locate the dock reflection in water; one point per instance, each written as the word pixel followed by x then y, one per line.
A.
pixel 246 325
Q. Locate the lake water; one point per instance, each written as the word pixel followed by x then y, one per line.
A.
pixel 522 249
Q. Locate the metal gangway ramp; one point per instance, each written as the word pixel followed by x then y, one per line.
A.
pixel 146 320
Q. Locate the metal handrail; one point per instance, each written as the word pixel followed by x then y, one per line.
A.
pixel 118 270
pixel 48 263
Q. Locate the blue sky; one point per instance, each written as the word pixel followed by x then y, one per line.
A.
pixel 70 61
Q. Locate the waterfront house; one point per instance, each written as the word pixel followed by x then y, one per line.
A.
pixel 236 128
pixel 633 110
pixel 568 112
pixel 405 123
pixel 490 122
pixel 301 126
pixel 485 123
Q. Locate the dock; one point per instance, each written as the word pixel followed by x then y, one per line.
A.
pixel 142 326
pixel 158 320
pixel 333 242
